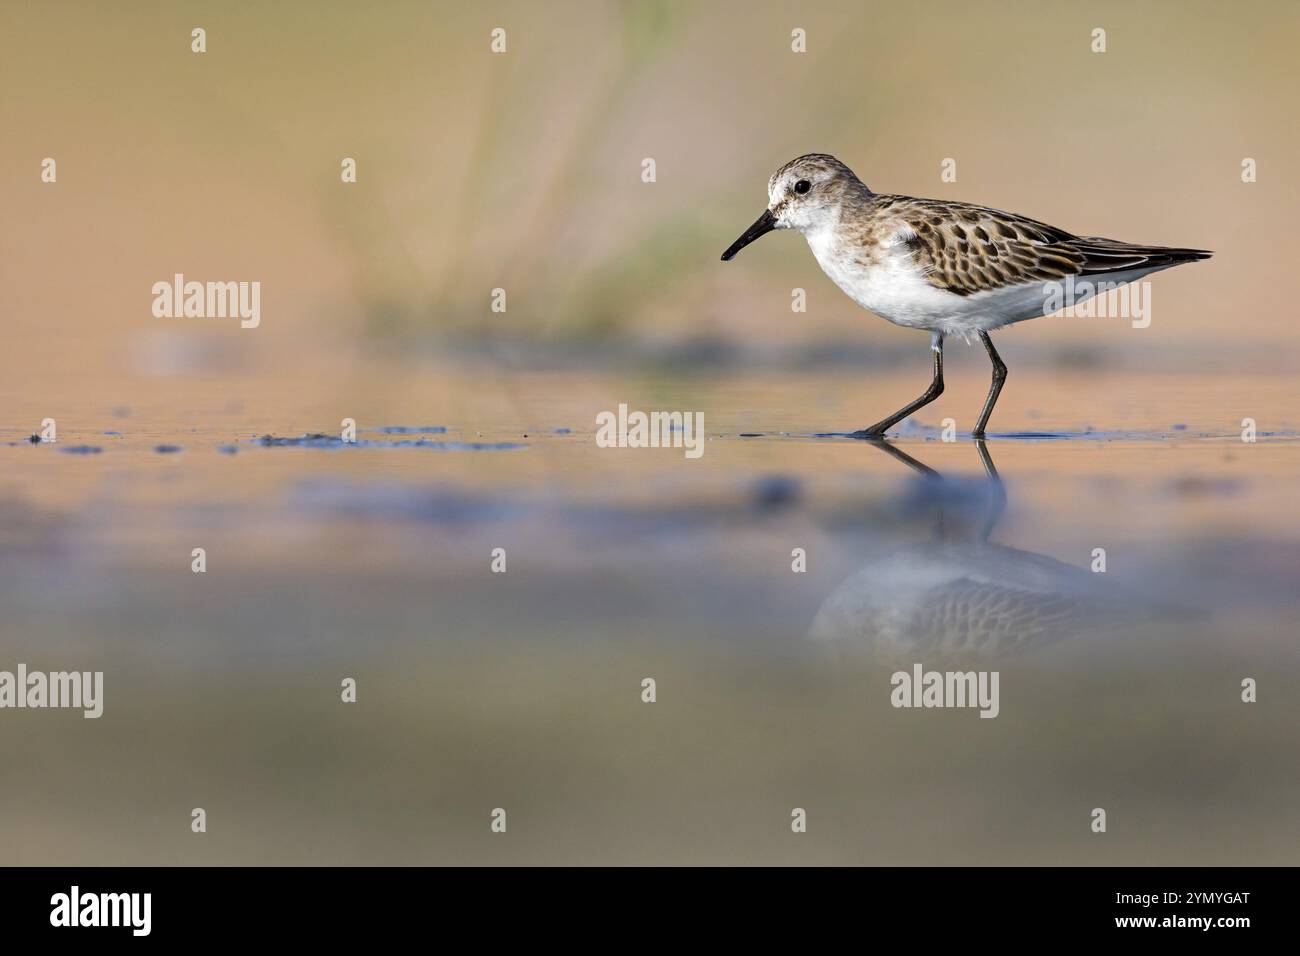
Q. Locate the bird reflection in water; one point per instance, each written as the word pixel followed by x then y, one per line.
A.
pixel 960 596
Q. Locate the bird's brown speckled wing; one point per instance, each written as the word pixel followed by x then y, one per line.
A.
pixel 966 249
pixel 980 618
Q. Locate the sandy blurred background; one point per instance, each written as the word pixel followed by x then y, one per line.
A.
pixel 522 171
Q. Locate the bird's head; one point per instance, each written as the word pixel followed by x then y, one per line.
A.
pixel 805 194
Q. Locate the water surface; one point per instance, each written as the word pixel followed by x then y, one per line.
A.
pixel 522 690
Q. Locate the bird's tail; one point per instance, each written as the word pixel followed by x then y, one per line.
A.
pixel 1108 255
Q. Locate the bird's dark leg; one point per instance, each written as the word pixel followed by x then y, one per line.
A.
pixel 934 391
pixel 999 376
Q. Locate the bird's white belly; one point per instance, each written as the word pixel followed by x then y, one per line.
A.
pixel 895 289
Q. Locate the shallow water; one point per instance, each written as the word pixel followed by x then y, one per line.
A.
pixel 522 690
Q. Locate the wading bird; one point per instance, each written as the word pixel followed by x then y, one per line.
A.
pixel 950 268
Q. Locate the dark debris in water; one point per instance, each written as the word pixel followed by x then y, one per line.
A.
pixel 772 492
pixel 425 506
pixel 313 440
pixel 414 430
pixel 227 449
pixel 166 449
pixel 82 450
pixel 453 507
pixel 333 442
pixel 1041 436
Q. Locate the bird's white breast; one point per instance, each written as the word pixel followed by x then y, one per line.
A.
pixel 884 280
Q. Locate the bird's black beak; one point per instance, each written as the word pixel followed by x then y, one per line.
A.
pixel 765 224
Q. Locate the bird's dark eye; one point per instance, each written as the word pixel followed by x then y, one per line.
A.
pixel 802 186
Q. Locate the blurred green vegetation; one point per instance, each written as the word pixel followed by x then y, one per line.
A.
pixel 522 170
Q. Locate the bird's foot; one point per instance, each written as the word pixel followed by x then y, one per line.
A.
pixel 869 434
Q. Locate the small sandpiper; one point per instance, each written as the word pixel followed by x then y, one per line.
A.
pixel 950 268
